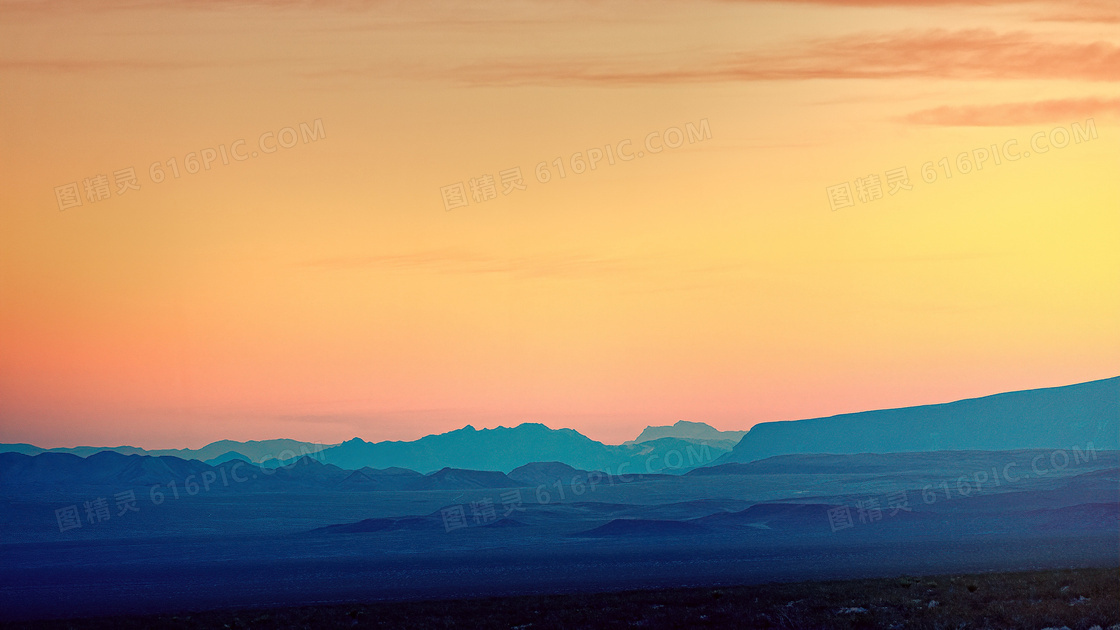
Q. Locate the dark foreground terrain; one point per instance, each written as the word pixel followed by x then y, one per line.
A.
pixel 307 536
pixel 1077 599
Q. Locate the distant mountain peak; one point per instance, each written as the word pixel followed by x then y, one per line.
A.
pixel 689 430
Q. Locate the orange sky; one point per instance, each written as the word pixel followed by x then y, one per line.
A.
pixel 322 291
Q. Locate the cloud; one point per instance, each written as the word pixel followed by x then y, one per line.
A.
pixel 1008 114
pixel 457 261
pixel 574 11
pixel 1091 4
pixel 1105 11
pixel 967 55
pixel 63 6
pixel 886 3
pixel 92 65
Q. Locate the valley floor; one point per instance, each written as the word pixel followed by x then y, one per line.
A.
pixel 1078 599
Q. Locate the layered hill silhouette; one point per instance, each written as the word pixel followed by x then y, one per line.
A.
pixel 631 527
pixel 213 453
pixel 545 473
pixel 1055 417
pixel 906 462
pixel 107 469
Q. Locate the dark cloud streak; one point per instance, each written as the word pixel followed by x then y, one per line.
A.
pixel 1007 114
pixel 961 55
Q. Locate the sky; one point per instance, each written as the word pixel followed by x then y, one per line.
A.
pixel 379 219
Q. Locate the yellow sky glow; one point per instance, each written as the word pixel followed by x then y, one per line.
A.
pixel 322 291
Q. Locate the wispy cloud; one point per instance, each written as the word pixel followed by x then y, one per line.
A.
pixel 886 3
pixel 1107 11
pixel 967 54
pixel 975 54
pixel 58 6
pixel 92 65
pixel 1007 114
pixel 1104 11
pixel 457 261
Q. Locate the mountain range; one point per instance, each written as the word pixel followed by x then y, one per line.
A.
pixel 500 449
pixel 1056 417
pixel 184 534
pixel 506 448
